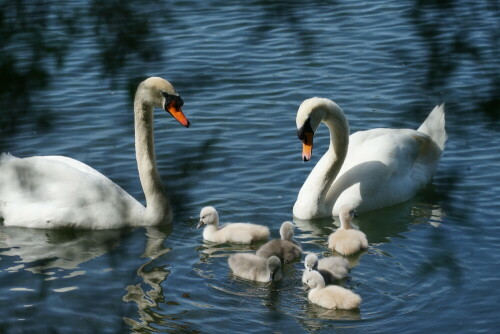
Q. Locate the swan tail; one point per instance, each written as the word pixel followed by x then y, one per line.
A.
pixel 434 126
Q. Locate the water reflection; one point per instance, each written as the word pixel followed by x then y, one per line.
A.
pixel 314 312
pixel 124 31
pixel 148 293
pixel 210 249
pixel 40 250
pixel 36 36
pixel 290 14
pixel 381 226
pixel 27 49
pixel 455 34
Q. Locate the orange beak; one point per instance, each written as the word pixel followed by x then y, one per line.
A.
pixel 176 111
pixel 307 146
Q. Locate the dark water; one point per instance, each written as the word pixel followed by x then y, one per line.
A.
pixel 68 71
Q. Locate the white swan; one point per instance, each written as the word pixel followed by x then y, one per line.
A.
pixel 331 296
pixel 369 169
pixel 346 240
pixel 56 191
pixel 287 248
pixel 255 268
pixel 332 268
pixel 238 233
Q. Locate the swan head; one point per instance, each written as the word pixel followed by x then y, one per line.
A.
pixel 160 93
pixel 286 230
pixel 346 215
pixel 309 116
pixel 274 266
pixel 208 215
pixel 314 279
pixel 311 262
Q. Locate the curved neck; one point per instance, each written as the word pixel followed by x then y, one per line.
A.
pixel 312 195
pixel 157 204
pixel 345 223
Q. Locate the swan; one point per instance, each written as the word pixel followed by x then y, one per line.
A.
pixel 287 248
pixel 57 191
pixel 368 169
pixel 346 240
pixel 255 268
pixel 331 296
pixel 332 268
pixel 238 233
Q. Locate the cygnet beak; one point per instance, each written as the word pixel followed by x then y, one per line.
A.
pixel 200 224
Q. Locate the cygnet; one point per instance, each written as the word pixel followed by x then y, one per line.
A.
pixel 238 233
pixel 286 233
pixel 346 240
pixel 255 268
pixel 331 296
pixel 286 248
pixel 332 268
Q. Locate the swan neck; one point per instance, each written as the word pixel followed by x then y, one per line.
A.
pixel 157 205
pixel 312 196
pixel 339 141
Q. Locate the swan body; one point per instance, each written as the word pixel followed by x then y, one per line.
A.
pixel 331 296
pixel 286 248
pixel 346 240
pixel 332 268
pixel 238 233
pixel 57 191
pixel 255 268
pixel 368 169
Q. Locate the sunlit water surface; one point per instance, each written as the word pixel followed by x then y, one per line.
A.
pixel 242 70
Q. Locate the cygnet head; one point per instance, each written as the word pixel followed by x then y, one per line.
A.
pixel 274 266
pixel 160 93
pixel 208 215
pixel 314 279
pixel 286 231
pixel 311 262
pixel 346 215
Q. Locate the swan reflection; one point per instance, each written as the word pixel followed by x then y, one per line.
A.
pixel 39 250
pixel 148 293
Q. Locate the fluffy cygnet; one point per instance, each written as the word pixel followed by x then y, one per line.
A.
pixel 331 296
pixel 286 233
pixel 346 240
pixel 286 248
pixel 332 268
pixel 238 233
pixel 255 268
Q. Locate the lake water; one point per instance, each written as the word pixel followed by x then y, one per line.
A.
pixel 242 70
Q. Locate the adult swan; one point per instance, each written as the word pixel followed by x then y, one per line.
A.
pixel 369 169
pixel 56 191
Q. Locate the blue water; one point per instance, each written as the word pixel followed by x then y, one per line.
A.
pixel 242 70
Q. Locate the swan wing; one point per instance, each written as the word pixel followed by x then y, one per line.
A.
pixel 383 167
pixel 49 192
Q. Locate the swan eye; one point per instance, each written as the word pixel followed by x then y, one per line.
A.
pixel 306 128
pixel 176 100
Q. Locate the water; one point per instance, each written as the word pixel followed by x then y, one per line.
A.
pixel 242 70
